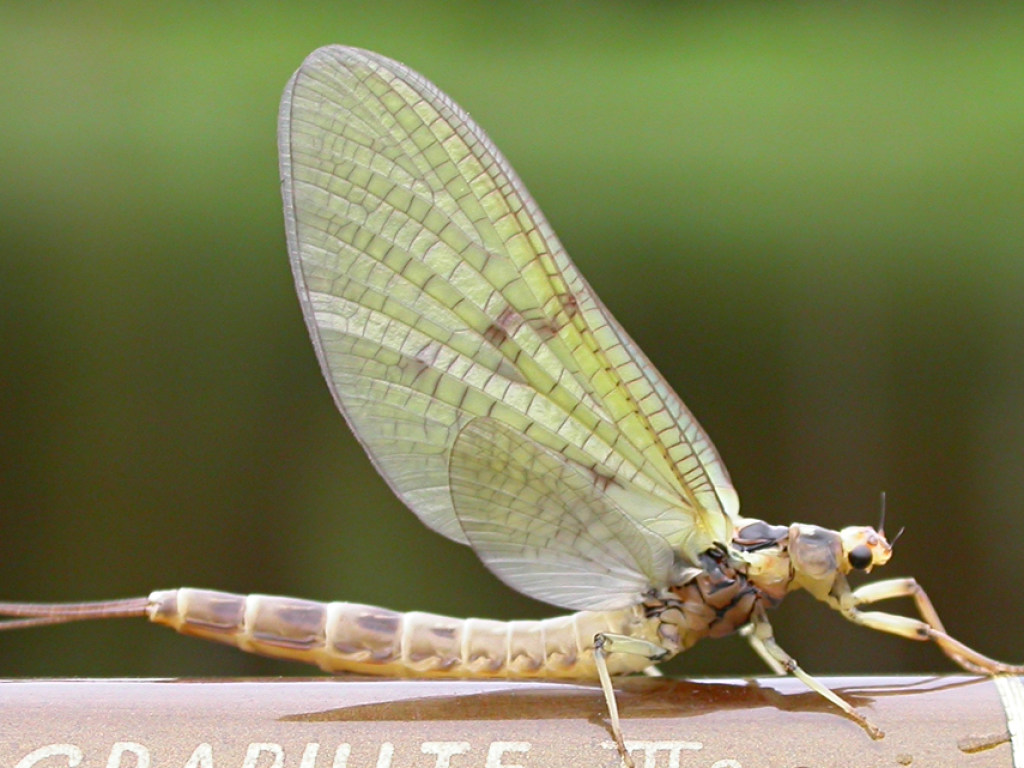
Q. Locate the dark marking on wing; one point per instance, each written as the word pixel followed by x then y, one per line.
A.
pixel 602 480
pixel 495 335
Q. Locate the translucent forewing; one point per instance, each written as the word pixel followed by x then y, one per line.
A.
pixel 545 528
pixel 435 293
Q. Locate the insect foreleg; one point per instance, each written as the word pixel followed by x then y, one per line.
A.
pixel 928 629
pixel 763 636
pixel 605 644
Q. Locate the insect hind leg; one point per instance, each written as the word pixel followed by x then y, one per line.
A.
pixel 930 628
pixel 605 644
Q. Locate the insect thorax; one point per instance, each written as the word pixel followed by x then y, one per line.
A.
pixel 716 600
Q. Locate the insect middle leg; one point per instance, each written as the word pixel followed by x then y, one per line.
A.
pixel 915 629
pixel 747 631
pixel 762 638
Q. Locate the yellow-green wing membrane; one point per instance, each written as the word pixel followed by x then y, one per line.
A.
pixel 435 293
pixel 546 528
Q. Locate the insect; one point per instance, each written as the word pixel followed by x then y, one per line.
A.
pixel 509 410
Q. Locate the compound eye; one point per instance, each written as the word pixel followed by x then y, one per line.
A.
pixel 860 557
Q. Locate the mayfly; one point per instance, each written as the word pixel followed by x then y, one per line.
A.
pixel 509 410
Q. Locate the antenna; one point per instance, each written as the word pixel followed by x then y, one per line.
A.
pixel 881 524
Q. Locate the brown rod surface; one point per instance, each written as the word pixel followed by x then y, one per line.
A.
pixel 360 723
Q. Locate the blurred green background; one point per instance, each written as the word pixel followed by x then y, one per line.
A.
pixel 808 215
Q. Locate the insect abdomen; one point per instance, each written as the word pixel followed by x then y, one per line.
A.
pixel 351 637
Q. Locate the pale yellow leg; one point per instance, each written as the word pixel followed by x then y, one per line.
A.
pixel 929 629
pixel 605 644
pixel 747 632
pixel 762 635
